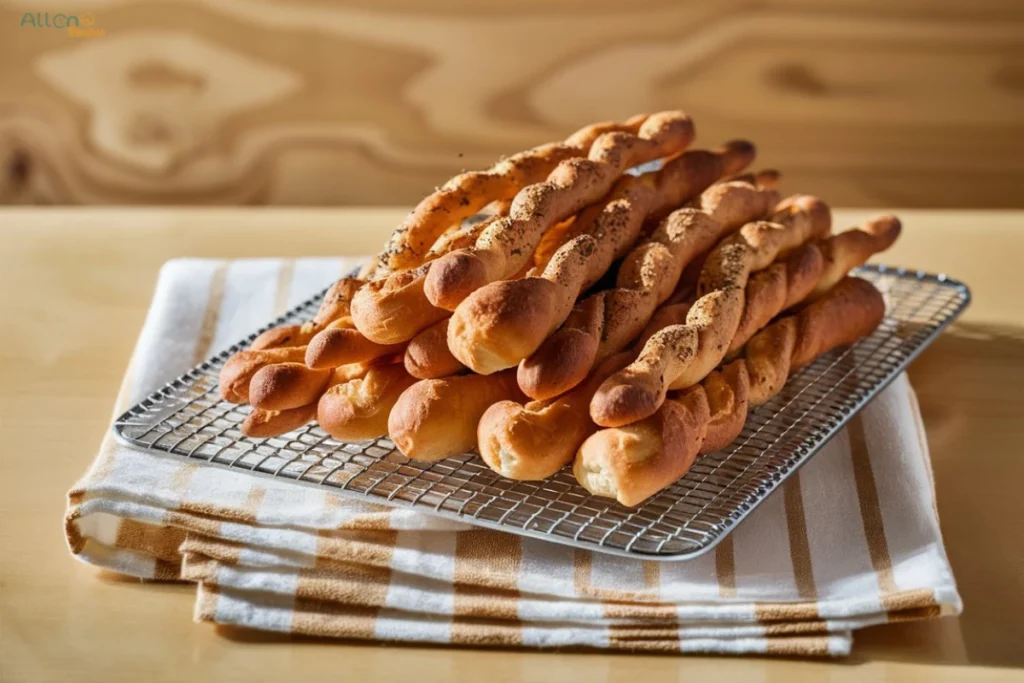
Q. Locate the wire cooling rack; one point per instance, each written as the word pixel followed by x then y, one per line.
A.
pixel 187 419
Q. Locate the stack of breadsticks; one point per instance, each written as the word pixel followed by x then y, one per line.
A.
pixel 555 309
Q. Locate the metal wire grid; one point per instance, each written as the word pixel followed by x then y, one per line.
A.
pixel 187 418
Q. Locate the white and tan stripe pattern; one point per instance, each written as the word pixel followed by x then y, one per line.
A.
pixel 852 540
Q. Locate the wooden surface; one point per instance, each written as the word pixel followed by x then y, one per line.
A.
pixel 302 102
pixel 74 288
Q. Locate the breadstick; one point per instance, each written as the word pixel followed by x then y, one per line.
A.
pixel 358 409
pixel 681 355
pixel 266 423
pixel 776 288
pixel 853 248
pixel 634 462
pixel 427 355
pixel 437 418
pixel 335 306
pixel 237 372
pixel 607 321
pixel 503 322
pixel 468 193
pixel 262 424
pixel 283 386
pixel 429 225
pixel 339 344
pixel 506 245
pixel 395 308
pixel 728 392
pixel 535 440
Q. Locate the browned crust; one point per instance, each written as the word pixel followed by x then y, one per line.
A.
pixel 681 355
pixel 394 309
pixel 283 386
pixel 647 278
pixel 237 372
pixel 339 344
pixel 358 409
pixel 437 418
pixel 776 288
pixel 768 355
pixel 632 465
pixel 728 393
pixel 507 245
pixel 466 194
pixel 849 311
pixel 851 248
pixel 428 356
pixel 535 440
pixel 496 331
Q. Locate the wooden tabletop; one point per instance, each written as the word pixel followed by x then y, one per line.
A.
pixel 74 288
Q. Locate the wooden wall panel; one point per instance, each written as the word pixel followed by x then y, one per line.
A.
pixel 867 102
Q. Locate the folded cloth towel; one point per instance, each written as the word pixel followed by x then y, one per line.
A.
pixel 852 540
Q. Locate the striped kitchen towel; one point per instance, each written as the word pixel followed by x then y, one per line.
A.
pixel 852 540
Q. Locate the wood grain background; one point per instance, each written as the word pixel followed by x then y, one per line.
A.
pixel 865 102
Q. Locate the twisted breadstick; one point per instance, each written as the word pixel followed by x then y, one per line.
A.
pixel 429 226
pixel 395 308
pixel 286 344
pixel 534 441
pixel 853 248
pixel 681 355
pixel 468 193
pixel 607 321
pixel 358 409
pixel 340 344
pixel 437 418
pixel 237 372
pixel 505 246
pixel 283 386
pixel 266 423
pixel 503 322
pixel 427 356
pixel 634 462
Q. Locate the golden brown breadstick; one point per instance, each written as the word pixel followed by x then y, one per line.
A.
pixel 239 369
pixel 428 356
pixel 507 244
pixel 261 424
pixel 633 462
pixel 468 193
pixel 853 248
pixel 334 307
pixel 340 344
pixel 437 418
pixel 283 386
pixel 535 440
pixel 503 322
pixel 779 286
pixel 266 423
pixel 607 321
pixel 358 409
pixel 393 309
pixel 681 355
